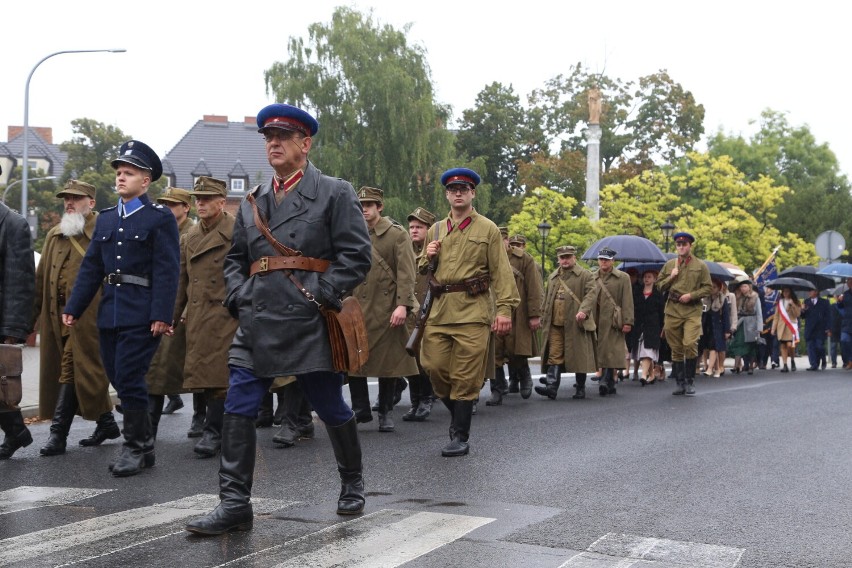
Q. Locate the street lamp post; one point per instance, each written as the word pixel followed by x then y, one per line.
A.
pixel 26 154
pixel 667 228
pixel 17 181
pixel 543 230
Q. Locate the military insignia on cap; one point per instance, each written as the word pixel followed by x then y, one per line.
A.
pixel 130 144
pixel 363 193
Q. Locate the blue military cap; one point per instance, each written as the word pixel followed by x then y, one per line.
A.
pixel 460 175
pixel 141 155
pixel 287 117
pixel 607 253
pixel 684 236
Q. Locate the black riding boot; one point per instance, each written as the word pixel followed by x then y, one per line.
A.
pixel 552 378
pixel 359 392
pixel 427 397
pixel 399 387
pixel 514 380
pixel 106 429
pixel 689 376
pixel 499 387
pixel 17 434
pixel 387 390
pixel 462 415
pixel 297 421
pixel 264 413
pixel 66 406
pixel 678 372
pixel 211 439
pixel 199 414
pixel 451 406
pixel 580 388
pixel 137 452
pixel 175 403
pixel 414 394
pixel 607 384
pixel 347 450
pixel 524 375
pixel 236 474
pixel 155 409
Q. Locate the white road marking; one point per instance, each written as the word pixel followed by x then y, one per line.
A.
pixel 625 551
pixel 28 497
pixel 104 535
pixel 384 539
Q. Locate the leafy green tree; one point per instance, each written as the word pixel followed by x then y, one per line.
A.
pixel 819 197
pixel 372 94
pixel 497 128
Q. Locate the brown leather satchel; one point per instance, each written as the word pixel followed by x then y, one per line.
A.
pixel 347 335
pixel 11 367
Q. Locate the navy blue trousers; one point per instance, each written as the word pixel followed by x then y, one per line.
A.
pixel 816 352
pixel 126 353
pixel 323 389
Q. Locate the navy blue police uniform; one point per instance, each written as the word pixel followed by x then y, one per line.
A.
pixel 134 257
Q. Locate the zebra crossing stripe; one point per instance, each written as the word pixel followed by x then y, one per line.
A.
pixel 28 497
pixel 383 539
pixel 624 551
pixel 103 535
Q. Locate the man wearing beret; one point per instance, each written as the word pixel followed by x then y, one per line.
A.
pixel 300 244
pixel 208 326
pixel 687 280
pixel 17 281
pixel 520 344
pixel 420 388
pixel 165 376
pixel 614 317
pixel 135 257
pixel 473 277
pixel 71 375
pixel 386 297
pixel 569 325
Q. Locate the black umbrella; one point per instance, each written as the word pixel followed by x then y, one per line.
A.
pixel 718 271
pixel 628 248
pixel 810 274
pixel 794 284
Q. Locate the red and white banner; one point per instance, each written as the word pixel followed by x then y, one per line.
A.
pixel 794 329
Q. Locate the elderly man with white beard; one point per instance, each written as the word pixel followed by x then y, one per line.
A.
pixel 72 377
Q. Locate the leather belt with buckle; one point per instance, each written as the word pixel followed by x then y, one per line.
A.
pixel 115 279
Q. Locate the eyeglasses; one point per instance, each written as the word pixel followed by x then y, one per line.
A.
pixel 459 189
pixel 279 134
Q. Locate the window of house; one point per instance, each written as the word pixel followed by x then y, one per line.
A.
pixel 238 185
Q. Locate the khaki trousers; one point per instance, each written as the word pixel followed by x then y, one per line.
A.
pixel 682 334
pixel 455 356
pixel 556 345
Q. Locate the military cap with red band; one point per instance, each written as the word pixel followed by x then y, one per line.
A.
pixel 286 117
pixel 460 175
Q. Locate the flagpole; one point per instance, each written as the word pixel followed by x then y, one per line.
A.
pixel 760 270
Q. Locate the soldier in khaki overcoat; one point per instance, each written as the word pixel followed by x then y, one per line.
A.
pixel 569 325
pixel 475 281
pixel 419 387
pixel 208 326
pixel 71 376
pixel 386 297
pixel 165 375
pixel 521 343
pixel 614 317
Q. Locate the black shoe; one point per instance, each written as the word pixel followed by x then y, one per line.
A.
pixel 812 369
pixel 424 409
pixel 603 390
pixel 17 434
pixel 785 369
pixel 461 417
pixel 211 440
pixel 66 406
pixel 526 381
pixel 106 429
pixel 579 393
pixel 347 450
pixel 175 403
pixel 793 365
pixel 387 395
pixel 236 473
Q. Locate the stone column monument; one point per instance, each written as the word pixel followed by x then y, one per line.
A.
pixel 593 155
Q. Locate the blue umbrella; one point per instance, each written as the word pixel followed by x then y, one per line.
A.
pixel 838 270
pixel 628 248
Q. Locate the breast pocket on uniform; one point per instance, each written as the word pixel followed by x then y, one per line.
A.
pixel 102 236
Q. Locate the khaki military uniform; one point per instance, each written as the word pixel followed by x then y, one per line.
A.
pixel 567 342
pixel 165 375
pixel 612 347
pixel 208 326
pixel 454 350
pixel 682 324
pixel 390 283
pixel 68 355
pixel 522 341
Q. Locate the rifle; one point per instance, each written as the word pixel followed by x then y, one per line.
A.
pixel 412 346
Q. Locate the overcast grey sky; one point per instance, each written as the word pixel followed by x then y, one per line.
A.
pixel 185 59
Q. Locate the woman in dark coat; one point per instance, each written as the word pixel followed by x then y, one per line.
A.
pixel 718 330
pixel 648 306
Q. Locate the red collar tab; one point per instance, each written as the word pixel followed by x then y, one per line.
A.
pixel 287 123
pixel 462 226
pixel 288 183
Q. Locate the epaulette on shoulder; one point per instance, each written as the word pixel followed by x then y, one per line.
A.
pixel 105 209
pixel 395 223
